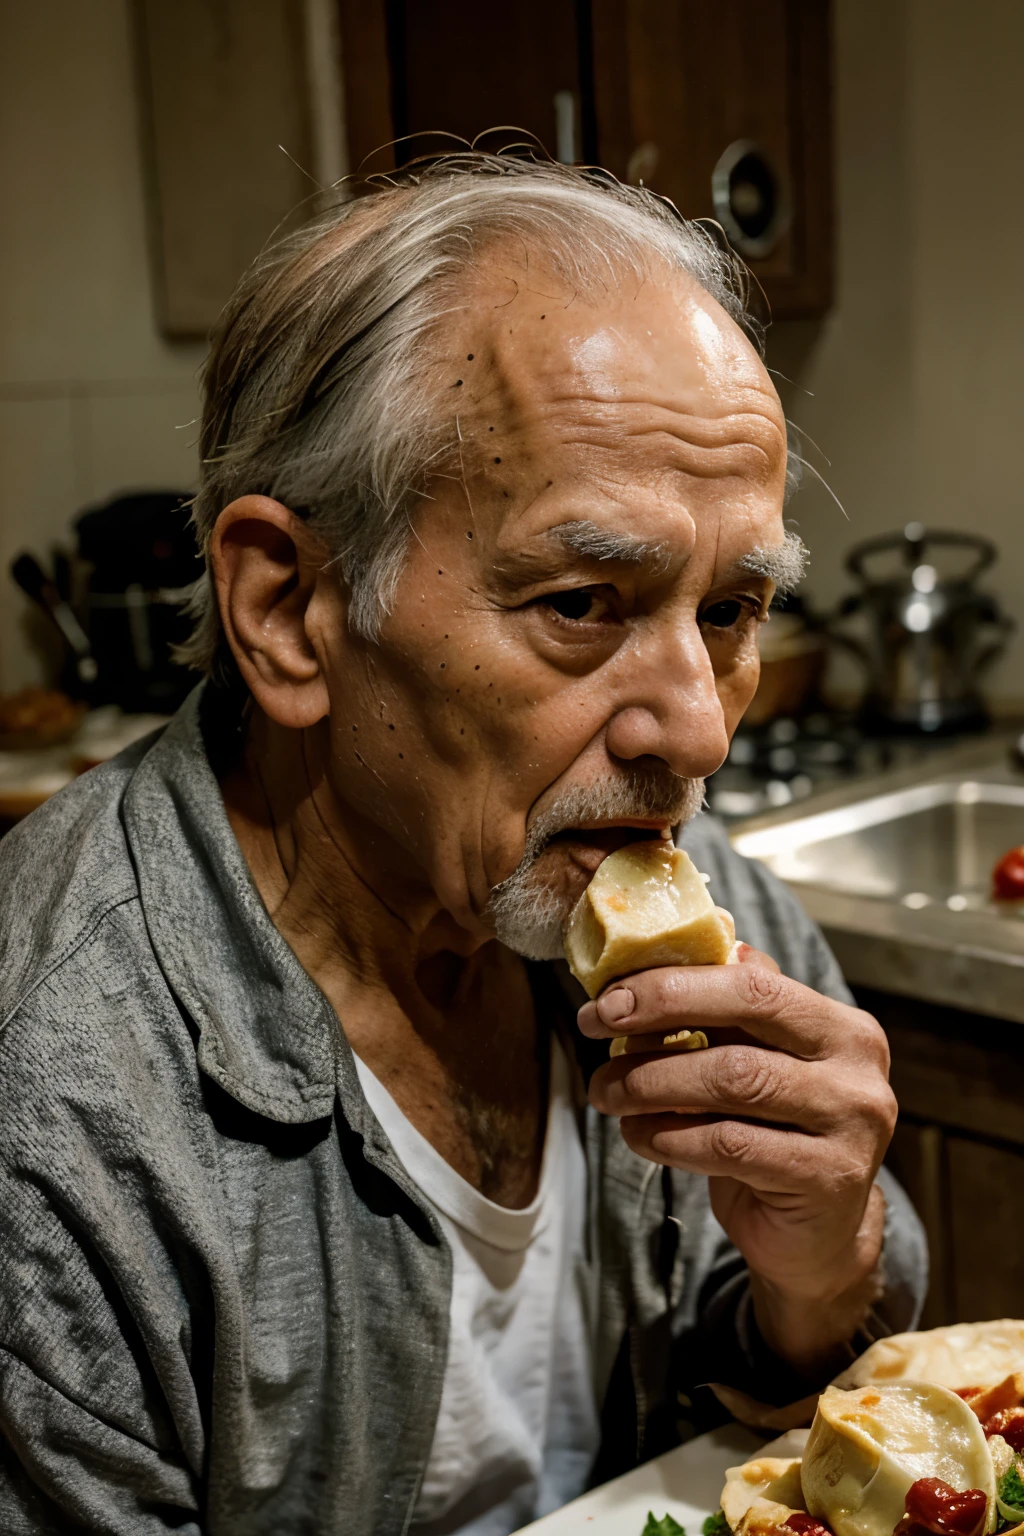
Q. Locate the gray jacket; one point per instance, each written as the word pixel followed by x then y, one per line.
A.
pixel 223 1304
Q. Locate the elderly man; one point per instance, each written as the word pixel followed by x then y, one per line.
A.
pixel 307 1223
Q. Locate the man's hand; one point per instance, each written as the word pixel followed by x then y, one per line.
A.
pixel 788 1114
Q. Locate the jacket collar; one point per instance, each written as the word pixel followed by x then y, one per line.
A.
pixel 267 1034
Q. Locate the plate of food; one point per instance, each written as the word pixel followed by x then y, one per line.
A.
pixel 922 1436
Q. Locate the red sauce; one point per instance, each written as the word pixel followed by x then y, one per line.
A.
pixel 806 1525
pixel 936 1507
pixel 1008 1422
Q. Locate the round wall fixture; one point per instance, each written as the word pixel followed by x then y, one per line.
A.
pixel 750 199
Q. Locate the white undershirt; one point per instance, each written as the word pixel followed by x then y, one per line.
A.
pixel 517 1431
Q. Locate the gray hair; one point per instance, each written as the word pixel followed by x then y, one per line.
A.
pixel 318 388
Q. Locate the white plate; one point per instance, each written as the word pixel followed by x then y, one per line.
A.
pixel 685 1483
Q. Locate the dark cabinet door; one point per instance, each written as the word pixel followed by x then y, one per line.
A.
pixel 454 67
pixel 466 68
pixel 724 106
pixel 986 1219
pixel 687 96
pixel 917 1156
pixel 223 87
pixel 959 1150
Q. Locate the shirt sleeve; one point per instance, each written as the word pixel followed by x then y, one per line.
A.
pixel 722 1342
pixel 63 1469
pixel 87 1441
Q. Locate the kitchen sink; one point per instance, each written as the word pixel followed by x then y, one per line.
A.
pixel 932 843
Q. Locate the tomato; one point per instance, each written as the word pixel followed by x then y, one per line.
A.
pixel 1008 876
pixel 1009 1423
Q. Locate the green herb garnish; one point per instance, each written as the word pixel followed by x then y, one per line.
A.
pixel 664 1527
pixel 1010 1494
pixel 716 1525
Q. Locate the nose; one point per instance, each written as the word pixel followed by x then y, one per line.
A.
pixel 669 707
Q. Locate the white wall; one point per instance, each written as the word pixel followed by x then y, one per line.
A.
pixel 916 376
pixel 92 400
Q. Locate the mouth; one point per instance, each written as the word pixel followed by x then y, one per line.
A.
pixel 589 846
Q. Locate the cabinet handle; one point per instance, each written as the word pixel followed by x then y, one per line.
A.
pixel 750 199
pixel 565 127
pixel 643 163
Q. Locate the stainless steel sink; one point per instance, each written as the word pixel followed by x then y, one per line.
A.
pixel 928 843
pixel 896 870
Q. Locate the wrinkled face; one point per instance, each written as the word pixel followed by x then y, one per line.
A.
pixel 574 636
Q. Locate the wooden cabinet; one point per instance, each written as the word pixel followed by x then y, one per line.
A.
pixel 724 106
pixel 720 105
pixel 986 1220
pixel 223 88
pixel 462 68
pixel 959 1150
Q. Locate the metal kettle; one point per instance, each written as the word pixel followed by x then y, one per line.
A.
pixel 928 636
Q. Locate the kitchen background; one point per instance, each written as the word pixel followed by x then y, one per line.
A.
pixel 140 171
pixel 910 382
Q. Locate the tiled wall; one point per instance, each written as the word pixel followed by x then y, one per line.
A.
pixel 92 399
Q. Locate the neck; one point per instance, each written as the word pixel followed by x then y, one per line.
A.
pixel 333 882
pixel 444 1020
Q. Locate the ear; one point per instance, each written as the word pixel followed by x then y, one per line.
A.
pixel 266 568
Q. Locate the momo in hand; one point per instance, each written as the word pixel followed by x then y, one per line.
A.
pixel 647 905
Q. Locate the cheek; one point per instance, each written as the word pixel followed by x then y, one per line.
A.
pixel 736 682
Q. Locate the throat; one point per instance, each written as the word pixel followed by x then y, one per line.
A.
pixel 466 1060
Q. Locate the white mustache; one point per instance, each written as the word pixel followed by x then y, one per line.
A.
pixel 638 795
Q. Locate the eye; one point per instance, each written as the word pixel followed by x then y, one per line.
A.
pixel 578 604
pixel 724 614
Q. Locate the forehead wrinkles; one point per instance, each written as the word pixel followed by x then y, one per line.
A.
pixel 664 439
pixel 537 397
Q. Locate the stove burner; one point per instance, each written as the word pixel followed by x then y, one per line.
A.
pixel 772 765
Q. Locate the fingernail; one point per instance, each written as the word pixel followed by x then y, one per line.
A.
pixel 616 1005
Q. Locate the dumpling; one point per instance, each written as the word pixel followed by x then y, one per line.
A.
pixel 867 1447
pixel 776 1478
pixel 646 906
pixel 963 1355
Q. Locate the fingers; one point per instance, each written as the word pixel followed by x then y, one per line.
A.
pixel 770 1161
pixel 753 996
pixel 748 1081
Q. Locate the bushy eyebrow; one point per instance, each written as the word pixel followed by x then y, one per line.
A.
pixel 785 564
pixel 587 538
